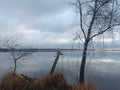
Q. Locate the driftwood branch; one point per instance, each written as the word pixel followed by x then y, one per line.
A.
pixel 26 78
pixel 55 61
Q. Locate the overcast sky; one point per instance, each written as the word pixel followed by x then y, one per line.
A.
pixel 39 23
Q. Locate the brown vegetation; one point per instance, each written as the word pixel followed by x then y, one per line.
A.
pixel 81 86
pixel 12 81
pixel 56 81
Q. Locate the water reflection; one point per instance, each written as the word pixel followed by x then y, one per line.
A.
pixel 101 67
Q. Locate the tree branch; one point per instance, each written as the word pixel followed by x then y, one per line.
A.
pixel 109 26
pixel 81 19
pixel 106 2
pixel 22 55
pixel 92 22
pixel 101 32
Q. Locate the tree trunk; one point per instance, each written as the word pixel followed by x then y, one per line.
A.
pixel 14 72
pixel 82 67
pixel 54 64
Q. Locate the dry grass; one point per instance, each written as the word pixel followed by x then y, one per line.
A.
pixel 81 86
pixel 12 81
pixel 50 82
pixel 56 81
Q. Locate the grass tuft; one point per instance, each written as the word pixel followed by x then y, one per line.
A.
pixel 81 86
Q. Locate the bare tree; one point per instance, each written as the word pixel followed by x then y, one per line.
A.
pixel 16 52
pixel 96 17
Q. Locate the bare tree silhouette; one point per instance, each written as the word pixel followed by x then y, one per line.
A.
pixel 96 17
pixel 14 50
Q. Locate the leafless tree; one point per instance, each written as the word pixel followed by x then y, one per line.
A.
pixel 96 17
pixel 16 52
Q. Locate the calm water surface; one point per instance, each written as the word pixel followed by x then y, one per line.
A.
pixel 103 68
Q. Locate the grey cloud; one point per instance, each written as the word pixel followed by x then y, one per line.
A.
pixel 59 23
pixel 33 7
pixel 55 13
pixel 43 21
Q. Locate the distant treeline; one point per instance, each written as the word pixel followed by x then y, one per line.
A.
pixel 36 50
pixel 51 50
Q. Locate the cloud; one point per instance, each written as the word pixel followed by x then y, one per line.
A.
pixel 37 22
pixel 41 23
pixel 33 7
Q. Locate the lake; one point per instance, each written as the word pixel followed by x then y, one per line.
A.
pixel 102 68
